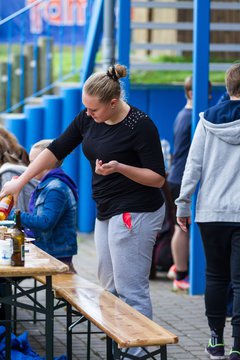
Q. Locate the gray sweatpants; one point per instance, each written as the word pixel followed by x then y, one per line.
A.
pixel 124 250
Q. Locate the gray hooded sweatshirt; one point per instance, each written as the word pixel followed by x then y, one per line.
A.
pixel 214 163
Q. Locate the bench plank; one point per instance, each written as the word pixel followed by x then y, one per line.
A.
pixel 122 323
pixel 127 326
pixel 68 281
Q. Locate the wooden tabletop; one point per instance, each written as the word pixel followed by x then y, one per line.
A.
pixel 37 262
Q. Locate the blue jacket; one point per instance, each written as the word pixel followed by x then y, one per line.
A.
pixel 53 217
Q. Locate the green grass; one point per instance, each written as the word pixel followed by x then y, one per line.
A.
pixel 169 77
pixel 136 77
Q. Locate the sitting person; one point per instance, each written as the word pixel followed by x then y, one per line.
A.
pixel 11 165
pixel 53 211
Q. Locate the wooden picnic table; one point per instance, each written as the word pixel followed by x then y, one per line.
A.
pixel 37 262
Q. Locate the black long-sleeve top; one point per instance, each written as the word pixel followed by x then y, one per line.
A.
pixel 134 141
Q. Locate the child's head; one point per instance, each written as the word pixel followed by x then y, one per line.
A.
pixel 36 149
pixel 232 80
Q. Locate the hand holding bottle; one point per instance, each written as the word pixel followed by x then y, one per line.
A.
pixel 6 205
pixel 11 187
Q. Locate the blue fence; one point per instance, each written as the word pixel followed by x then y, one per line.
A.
pixel 48 119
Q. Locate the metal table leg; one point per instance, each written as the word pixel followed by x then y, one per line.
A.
pixel 49 318
pixel 7 288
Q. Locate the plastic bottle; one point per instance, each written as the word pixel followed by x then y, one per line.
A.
pixel 6 204
pixel 17 235
pixel 5 251
pixel 166 154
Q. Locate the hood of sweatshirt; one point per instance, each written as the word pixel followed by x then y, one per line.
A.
pixel 223 120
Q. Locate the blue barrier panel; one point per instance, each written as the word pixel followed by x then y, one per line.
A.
pixel 71 106
pixel 139 97
pixel 72 102
pixel 217 92
pixel 16 124
pixel 86 205
pixel 164 104
pixel 34 124
pixel 53 116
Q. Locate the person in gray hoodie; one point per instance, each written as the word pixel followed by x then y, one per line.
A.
pixel 214 163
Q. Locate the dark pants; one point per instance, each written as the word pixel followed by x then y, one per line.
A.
pixel 222 251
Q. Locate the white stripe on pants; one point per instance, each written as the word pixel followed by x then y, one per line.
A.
pixel 125 256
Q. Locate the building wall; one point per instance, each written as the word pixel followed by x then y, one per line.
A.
pixel 155 36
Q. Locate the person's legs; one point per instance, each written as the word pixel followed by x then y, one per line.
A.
pixel 180 252
pixel 124 250
pixel 131 252
pixel 180 249
pixel 217 245
pixel 235 278
pixel 105 269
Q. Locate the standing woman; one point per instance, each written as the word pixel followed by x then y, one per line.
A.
pixel 214 162
pixel 123 147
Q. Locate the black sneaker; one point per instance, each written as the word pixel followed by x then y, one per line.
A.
pixel 215 352
pixel 234 355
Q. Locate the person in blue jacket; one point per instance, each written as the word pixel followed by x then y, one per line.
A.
pixel 53 211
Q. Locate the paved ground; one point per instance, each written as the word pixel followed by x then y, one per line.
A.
pixel 180 313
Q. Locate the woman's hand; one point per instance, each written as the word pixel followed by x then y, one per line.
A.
pixel 107 168
pixel 184 223
pixel 11 187
pixel 141 176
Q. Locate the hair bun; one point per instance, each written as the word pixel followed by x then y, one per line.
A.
pixel 116 72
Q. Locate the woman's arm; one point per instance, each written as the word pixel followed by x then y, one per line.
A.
pixel 142 176
pixel 45 160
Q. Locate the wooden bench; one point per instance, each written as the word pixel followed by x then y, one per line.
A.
pixel 121 323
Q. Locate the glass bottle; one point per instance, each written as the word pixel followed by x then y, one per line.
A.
pixel 166 148
pixel 6 204
pixel 17 235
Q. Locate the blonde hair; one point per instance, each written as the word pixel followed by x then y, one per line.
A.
pixel 232 80
pixel 42 145
pixel 106 85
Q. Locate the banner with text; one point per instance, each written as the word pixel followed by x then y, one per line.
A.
pixel 64 20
